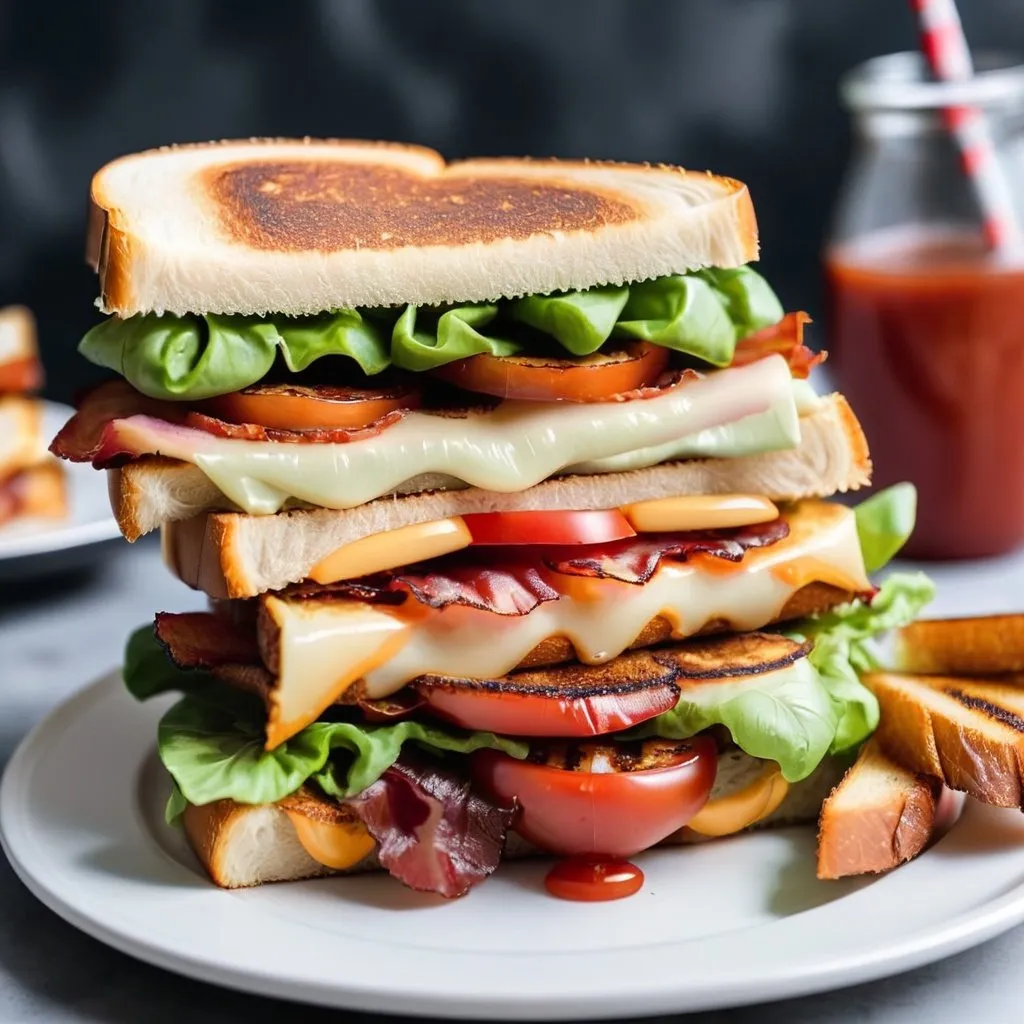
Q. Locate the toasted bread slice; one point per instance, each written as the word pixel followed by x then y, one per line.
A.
pixel 985 646
pixel 20 369
pixel 21 434
pixel 39 492
pixel 233 555
pixel 243 845
pixel 302 226
pixel 879 816
pixel 968 733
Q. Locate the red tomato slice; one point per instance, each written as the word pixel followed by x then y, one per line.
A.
pixel 301 407
pixel 594 806
pixel 595 378
pixel 582 527
pixel 545 712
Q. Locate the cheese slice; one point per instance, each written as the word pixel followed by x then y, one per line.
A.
pixel 508 448
pixel 699 512
pixel 320 657
pixel 404 546
pixel 335 845
pixel 729 814
pixel 324 645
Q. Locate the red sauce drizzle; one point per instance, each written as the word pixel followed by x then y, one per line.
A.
pixel 593 879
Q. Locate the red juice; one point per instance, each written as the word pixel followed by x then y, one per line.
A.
pixel 926 333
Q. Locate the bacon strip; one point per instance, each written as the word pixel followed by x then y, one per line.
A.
pixel 433 832
pixel 636 559
pixel 100 431
pixel 785 338
pixel 512 589
pixel 205 640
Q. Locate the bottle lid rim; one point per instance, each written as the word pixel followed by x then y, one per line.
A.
pixel 901 81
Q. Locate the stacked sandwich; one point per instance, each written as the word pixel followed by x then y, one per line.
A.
pixel 505 482
pixel 31 483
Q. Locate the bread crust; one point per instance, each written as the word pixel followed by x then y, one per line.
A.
pixel 302 225
pixel 981 646
pixel 879 816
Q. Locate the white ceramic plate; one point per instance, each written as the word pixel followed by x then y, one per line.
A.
pixel 33 546
pixel 736 921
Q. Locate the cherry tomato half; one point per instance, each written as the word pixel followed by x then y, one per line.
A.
pixel 562 527
pixel 584 799
pixel 595 378
pixel 300 407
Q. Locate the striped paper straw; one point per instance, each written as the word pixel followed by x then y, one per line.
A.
pixel 945 49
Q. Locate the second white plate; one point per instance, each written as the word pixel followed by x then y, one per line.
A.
pixel 31 547
pixel 735 921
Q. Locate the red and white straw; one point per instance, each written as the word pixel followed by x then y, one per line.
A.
pixel 945 49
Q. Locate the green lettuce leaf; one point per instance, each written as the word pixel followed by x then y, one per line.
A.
pixel 785 716
pixel 192 358
pixel 749 299
pixel 680 312
pixel 422 340
pixel 214 753
pixel 884 523
pixel 581 322
pixel 843 649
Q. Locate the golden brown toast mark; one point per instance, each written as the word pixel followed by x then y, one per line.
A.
pixel 328 206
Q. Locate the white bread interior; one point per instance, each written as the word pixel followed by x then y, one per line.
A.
pixel 879 816
pixel 245 845
pixel 17 334
pixel 229 554
pixel 164 239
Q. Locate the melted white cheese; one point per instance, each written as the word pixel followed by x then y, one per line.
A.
pixel 510 448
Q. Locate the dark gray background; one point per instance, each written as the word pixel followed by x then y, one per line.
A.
pixel 746 87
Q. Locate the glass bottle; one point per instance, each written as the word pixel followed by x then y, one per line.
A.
pixel 925 324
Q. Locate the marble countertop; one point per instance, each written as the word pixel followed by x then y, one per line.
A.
pixel 57 635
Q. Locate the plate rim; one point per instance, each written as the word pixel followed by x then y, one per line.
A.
pixel 951 936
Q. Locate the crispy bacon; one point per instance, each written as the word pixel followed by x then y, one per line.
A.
pixel 636 559
pixel 20 375
pixel 511 589
pixel 87 436
pixel 433 832
pixel 101 432
pixel 668 380
pixel 205 640
pixel 318 435
pixel 785 338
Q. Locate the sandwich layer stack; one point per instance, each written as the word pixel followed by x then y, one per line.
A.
pixel 31 482
pixel 508 489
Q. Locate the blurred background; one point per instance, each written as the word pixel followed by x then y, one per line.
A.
pixel 746 87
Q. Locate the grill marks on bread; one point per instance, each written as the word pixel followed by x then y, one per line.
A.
pixel 967 733
pixel 329 206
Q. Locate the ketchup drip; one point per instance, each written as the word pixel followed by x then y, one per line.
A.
pixel 593 879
